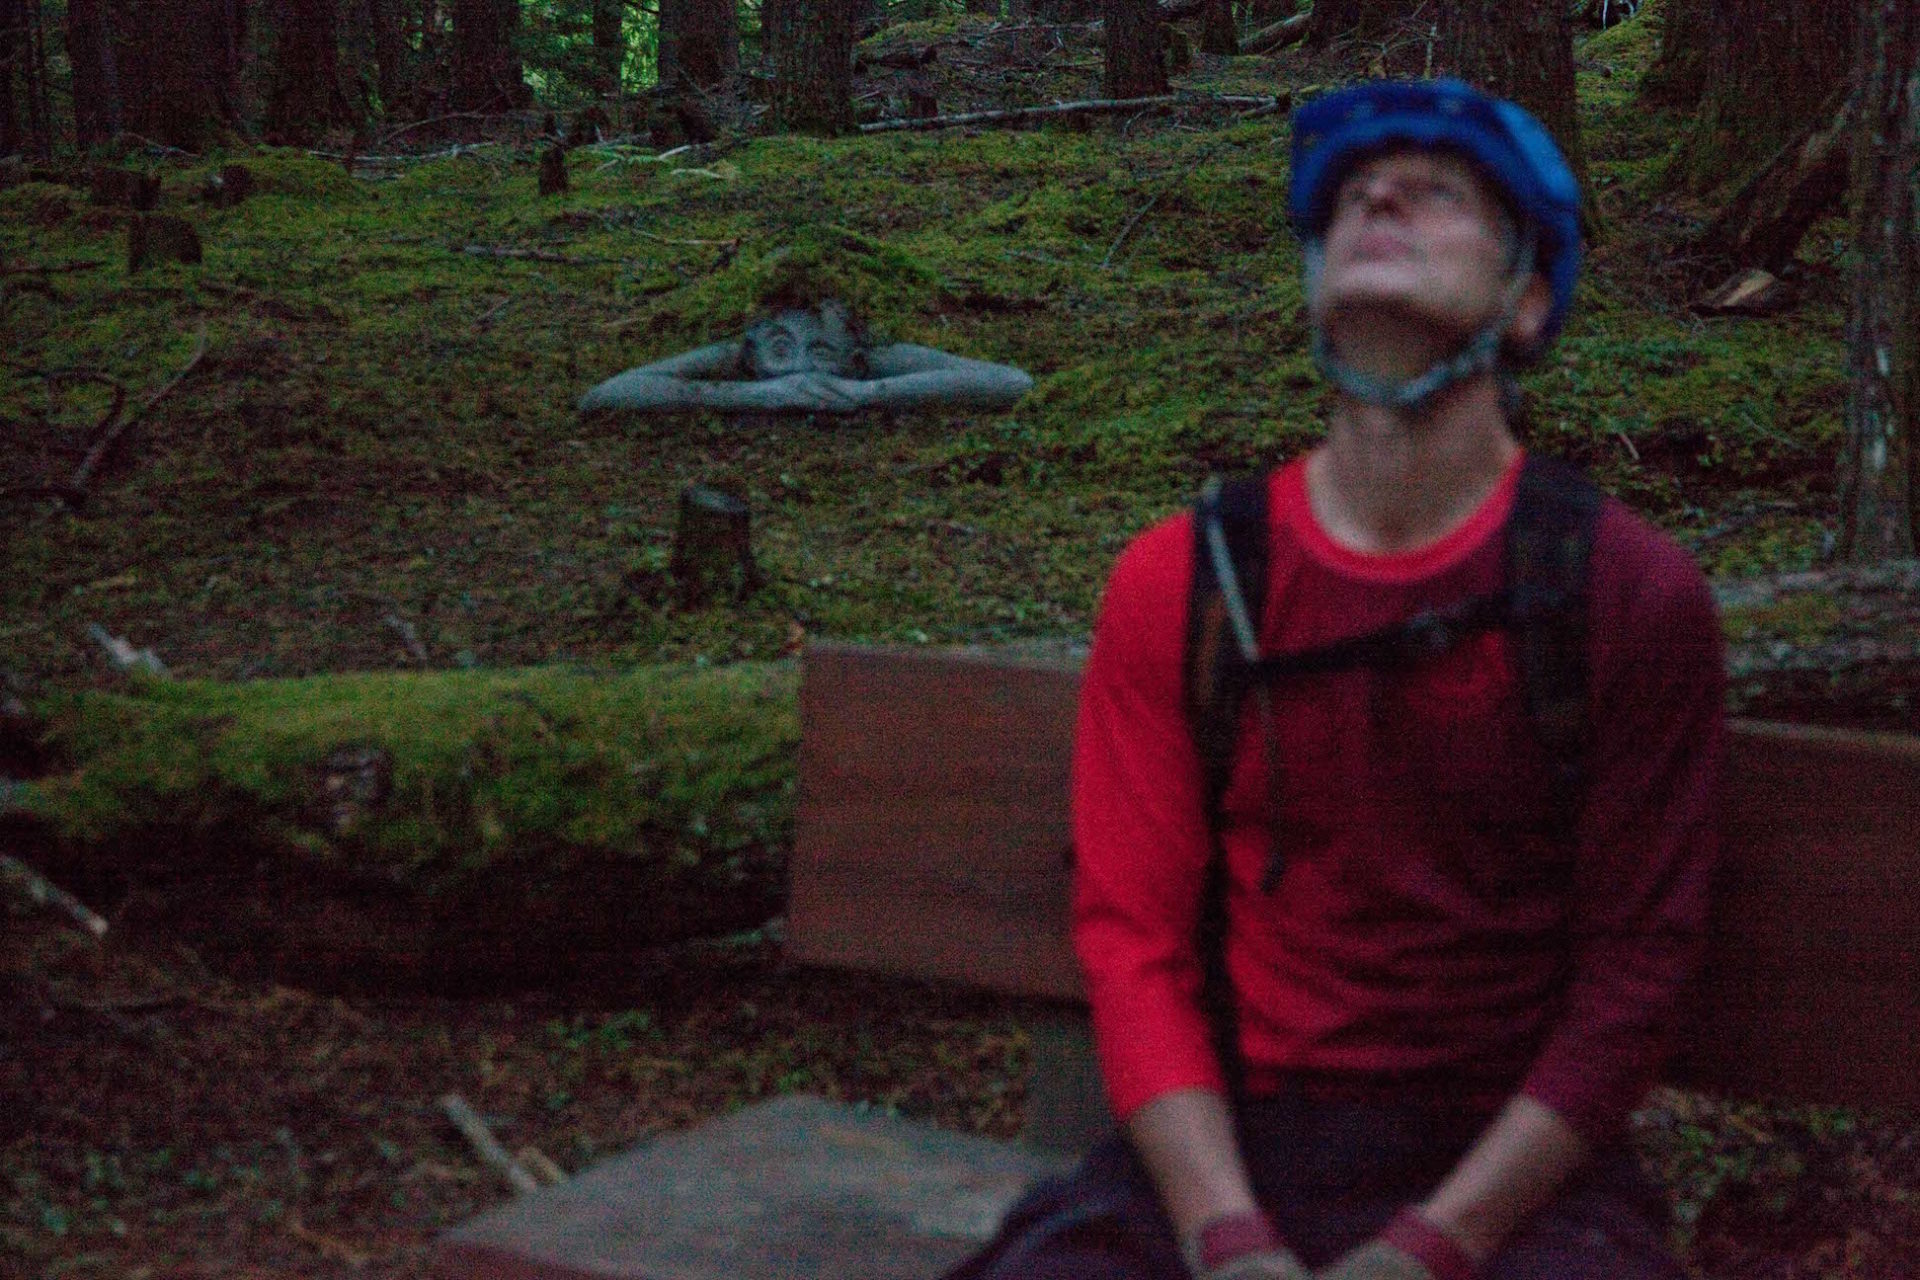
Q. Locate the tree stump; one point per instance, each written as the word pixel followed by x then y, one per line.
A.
pixel 227 188
pixel 713 548
pixel 553 170
pixel 160 237
pixel 125 188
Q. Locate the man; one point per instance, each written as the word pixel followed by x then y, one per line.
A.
pixel 1450 982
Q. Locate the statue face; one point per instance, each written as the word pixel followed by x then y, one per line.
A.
pixel 802 342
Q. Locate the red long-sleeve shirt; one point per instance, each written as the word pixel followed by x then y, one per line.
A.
pixel 1427 924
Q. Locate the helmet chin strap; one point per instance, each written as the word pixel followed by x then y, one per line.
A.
pixel 1410 395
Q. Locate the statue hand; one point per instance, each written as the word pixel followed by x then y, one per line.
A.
pixel 815 392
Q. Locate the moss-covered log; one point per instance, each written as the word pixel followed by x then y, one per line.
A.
pixel 434 828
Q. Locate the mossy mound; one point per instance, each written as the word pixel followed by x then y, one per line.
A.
pixel 475 820
pixel 882 284
pixel 38 204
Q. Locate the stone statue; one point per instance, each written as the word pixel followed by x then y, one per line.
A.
pixel 809 361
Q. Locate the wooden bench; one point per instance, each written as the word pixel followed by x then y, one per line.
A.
pixel 931 842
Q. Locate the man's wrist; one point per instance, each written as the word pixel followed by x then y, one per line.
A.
pixel 1228 1238
pixel 1436 1249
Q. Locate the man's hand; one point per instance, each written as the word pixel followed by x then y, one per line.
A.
pixel 1376 1260
pixel 1277 1264
pixel 1240 1246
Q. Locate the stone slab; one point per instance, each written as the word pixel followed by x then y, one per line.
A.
pixel 797 1188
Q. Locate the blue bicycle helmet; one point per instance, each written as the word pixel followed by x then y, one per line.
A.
pixel 1512 149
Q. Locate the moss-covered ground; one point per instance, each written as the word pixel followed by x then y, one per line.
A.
pixel 374 505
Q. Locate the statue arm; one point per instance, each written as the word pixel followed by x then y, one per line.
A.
pixel 905 376
pixel 684 381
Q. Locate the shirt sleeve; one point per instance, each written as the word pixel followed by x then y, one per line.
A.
pixel 1648 832
pixel 1139 832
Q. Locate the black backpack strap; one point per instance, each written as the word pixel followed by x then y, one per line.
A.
pixel 1224 604
pixel 1549 554
pixel 1223 620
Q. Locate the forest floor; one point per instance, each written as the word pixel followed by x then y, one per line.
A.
pixel 382 429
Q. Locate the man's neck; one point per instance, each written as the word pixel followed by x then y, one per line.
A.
pixel 1387 482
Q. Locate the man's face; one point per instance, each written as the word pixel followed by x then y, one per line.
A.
pixel 1416 237
pixel 800 342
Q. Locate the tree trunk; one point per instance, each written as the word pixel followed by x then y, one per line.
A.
pixel 1763 225
pixel 1771 66
pixel 1679 74
pixel 813 68
pixel 1517 49
pixel 699 42
pixel 487 74
pixel 1878 461
pixel 387 35
pixel 1359 19
pixel 1136 49
pixel 306 98
pixel 96 78
pixel 1218 33
pixel 16 94
pixel 1262 13
pixel 609 46
pixel 179 64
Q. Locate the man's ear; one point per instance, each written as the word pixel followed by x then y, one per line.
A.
pixel 1530 316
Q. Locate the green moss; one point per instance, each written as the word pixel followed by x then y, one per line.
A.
pixel 688 767
pixel 1804 618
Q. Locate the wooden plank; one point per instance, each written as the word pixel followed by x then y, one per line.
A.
pixel 932 836
pixel 1812 987
pixel 931 832
pixel 797 1188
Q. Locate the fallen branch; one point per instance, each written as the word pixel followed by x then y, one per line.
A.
pixel 1278 36
pixel 390 135
pixel 648 235
pixel 83 474
pixel 529 255
pixel 42 892
pixel 53 269
pixel 485 1145
pixel 1092 107
pixel 355 160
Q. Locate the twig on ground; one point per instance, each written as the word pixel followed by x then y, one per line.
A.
pixel 42 892
pixel 83 474
pixel 485 1145
pixel 1106 263
pixel 1096 106
pixel 124 656
pixel 490 313
pixel 536 1159
pixel 326 1245
pixel 408 635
